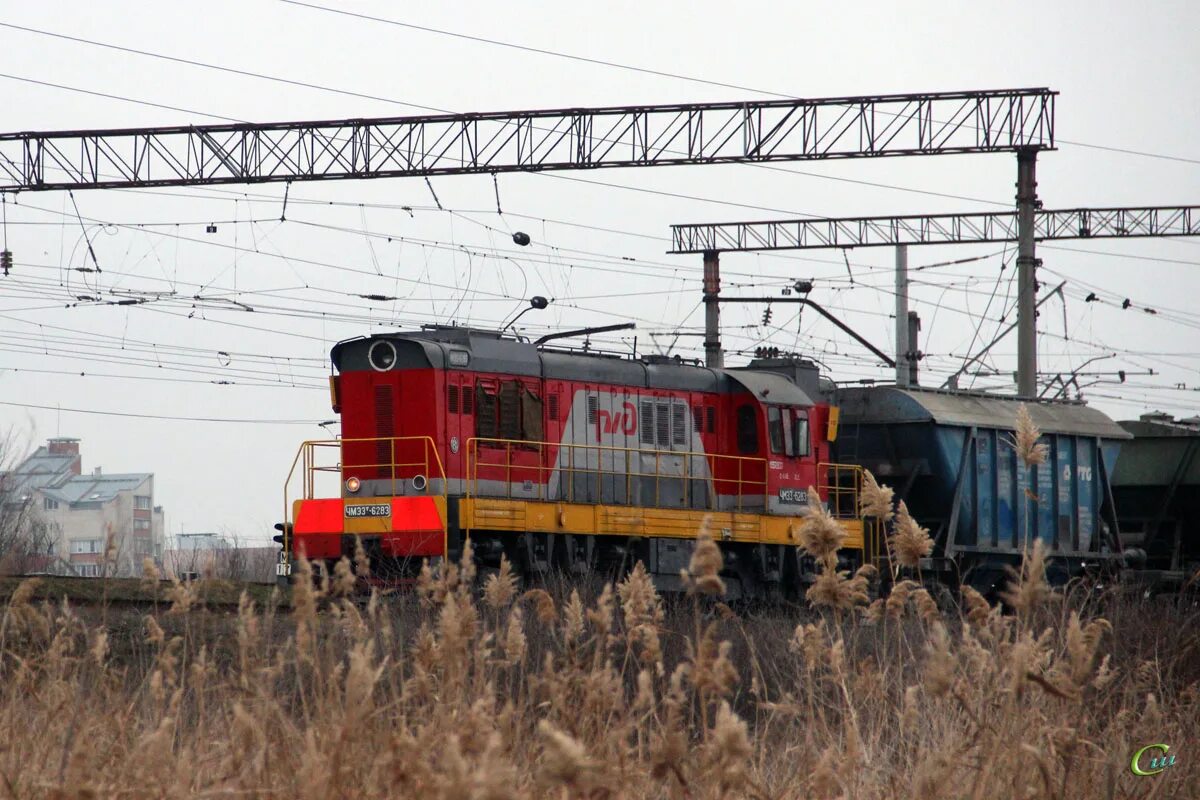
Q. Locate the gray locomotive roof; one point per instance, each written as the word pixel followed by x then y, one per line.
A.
pixel 489 352
pixel 890 404
pixel 770 387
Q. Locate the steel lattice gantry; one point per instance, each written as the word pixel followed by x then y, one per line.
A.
pixel 992 226
pixel 1009 120
pixel 1027 225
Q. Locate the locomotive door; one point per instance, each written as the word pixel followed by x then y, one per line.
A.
pixel 790 464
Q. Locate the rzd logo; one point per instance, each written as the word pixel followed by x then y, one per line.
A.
pixel 1157 763
pixel 624 421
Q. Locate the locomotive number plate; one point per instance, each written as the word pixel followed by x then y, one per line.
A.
pixel 376 510
pixel 793 496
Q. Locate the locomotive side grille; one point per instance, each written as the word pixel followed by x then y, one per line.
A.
pixel 646 424
pixel 485 411
pixel 710 413
pixel 593 409
pixel 698 419
pixel 467 399
pixel 510 410
pixel 662 423
pixel 678 423
pixel 385 424
pixel 452 399
pixel 552 406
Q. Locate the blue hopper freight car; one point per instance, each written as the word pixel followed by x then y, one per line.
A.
pixel 950 457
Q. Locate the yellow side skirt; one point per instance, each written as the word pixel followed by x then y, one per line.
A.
pixel 483 513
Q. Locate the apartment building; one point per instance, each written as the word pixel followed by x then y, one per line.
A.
pixel 88 524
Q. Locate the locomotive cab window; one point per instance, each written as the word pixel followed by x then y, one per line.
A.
pixel 799 435
pixel 747 429
pixel 775 428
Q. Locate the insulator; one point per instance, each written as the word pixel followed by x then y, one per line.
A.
pixel 210 228
pixel 521 238
pixel 6 261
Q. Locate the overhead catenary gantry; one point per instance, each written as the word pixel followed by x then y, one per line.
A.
pixel 937 123
pixel 969 228
pixel 1027 225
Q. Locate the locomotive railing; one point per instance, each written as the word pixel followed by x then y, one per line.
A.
pixel 604 467
pixel 840 485
pixel 313 457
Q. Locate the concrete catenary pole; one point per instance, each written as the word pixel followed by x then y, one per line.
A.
pixel 902 372
pixel 713 357
pixel 1027 204
pixel 914 349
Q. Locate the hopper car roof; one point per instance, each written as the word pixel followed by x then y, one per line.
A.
pixel 889 404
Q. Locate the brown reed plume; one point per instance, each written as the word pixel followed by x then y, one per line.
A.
pixel 1025 440
pixel 909 541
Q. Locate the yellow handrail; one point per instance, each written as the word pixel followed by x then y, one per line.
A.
pixel 542 471
pixel 840 485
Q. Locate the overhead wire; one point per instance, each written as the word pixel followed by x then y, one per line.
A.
pixel 642 70
pixel 1165 260
pixel 263 421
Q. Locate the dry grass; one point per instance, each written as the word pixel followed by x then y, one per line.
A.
pixel 468 689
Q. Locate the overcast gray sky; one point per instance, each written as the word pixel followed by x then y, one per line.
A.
pixel 1127 73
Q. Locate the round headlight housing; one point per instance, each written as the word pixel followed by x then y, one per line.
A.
pixel 382 355
pixel 353 484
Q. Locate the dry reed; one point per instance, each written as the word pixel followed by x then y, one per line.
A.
pixel 463 692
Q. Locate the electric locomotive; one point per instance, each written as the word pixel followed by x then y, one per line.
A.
pixel 567 459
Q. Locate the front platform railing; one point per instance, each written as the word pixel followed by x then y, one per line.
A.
pixel 394 460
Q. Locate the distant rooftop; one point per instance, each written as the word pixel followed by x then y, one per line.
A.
pixel 53 474
pixel 96 488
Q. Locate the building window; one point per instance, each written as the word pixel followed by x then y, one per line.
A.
pixel 49 503
pixel 87 570
pixel 82 546
pixel 141 524
pixel 143 547
pixel 141 502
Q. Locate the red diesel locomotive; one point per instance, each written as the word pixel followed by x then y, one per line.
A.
pixel 565 459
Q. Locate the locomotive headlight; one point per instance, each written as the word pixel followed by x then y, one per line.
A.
pixel 382 355
pixel 353 484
